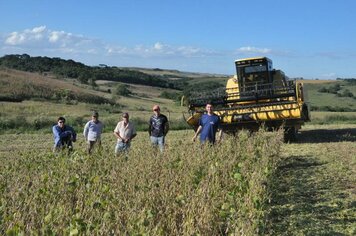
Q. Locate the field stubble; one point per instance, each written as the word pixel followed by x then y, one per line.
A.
pixel 314 190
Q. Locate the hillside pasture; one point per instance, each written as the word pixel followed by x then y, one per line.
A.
pixel 334 100
pixel 19 86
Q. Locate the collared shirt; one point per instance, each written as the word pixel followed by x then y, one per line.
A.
pixel 61 135
pixel 125 131
pixel 92 130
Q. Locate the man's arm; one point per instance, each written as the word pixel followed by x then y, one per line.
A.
pixel 74 134
pixel 117 135
pixel 132 136
pixel 197 133
pixel 166 128
pixel 220 135
pixel 149 127
pixel 56 135
pixel 86 131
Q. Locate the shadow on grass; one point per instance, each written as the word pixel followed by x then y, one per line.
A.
pixel 327 135
pixel 304 202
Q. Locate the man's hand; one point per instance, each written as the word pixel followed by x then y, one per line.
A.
pixel 196 133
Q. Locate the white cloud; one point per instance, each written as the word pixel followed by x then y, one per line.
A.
pixel 37 30
pixel 252 50
pixel 158 46
pixel 15 39
pixel 28 36
pixel 159 49
pixel 41 38
pixel 46 40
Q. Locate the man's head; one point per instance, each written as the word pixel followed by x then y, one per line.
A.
pixel 125 116
pixel 209 108
pixel 156 109
pixel 95 116
pixel 61 121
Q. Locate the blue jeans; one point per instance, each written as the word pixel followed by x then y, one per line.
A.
pixel 122 147
pixel 158 141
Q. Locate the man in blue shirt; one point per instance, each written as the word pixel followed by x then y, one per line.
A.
pixel 209 123
pixel 63 135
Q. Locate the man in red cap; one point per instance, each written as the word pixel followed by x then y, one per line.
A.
pixel 158 128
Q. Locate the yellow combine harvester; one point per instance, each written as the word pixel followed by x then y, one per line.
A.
pixel 258 95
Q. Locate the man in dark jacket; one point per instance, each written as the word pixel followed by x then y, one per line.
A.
pixel 63 135
pixel 158 127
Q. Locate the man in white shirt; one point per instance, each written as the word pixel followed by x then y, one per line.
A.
pixel 92 132
pixel 124 132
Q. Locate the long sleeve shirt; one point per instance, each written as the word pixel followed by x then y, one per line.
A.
pixel 61 135
pixel 92 131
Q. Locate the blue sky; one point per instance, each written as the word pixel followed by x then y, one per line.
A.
pixel 304 38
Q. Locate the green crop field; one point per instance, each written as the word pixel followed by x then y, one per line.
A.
pixel 185 191
pixel 247 184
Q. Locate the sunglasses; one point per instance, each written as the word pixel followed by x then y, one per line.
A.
pixel 60 122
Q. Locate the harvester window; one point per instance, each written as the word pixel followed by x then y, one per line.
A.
pixel 254 69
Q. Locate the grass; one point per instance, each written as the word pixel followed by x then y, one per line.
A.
pixel 325 117
pixel 314 188
pixel 32 116
pixel 318 99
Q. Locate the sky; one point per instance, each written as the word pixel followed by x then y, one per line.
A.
pixel 305 38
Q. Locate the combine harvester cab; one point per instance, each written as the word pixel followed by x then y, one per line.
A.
pixel 257 96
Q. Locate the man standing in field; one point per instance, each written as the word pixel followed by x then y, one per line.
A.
pixel 209 123
pixel 92 132
pixel 124 132
pixel 63 136
pixel 158 127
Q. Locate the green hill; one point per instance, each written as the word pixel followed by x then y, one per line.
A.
pixel 90 74
pixel 336 95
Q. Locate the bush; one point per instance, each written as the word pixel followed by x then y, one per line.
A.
pixel 122 90
pixel 171 95
pixel 42 123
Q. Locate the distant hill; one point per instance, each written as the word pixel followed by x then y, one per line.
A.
pixel 90 74
pixel 17 86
